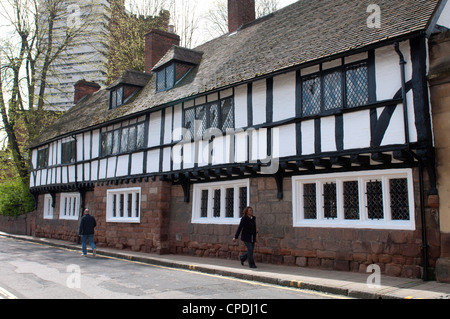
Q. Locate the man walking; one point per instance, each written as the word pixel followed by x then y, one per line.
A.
pixel 86 232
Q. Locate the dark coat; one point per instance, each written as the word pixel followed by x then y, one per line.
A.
pixel 87 225
pixel 248 228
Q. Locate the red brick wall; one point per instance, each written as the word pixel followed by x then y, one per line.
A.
pixel 397 252
pixel 157 43
pixel 240 12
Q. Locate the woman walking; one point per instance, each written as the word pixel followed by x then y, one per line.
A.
pixel 248 229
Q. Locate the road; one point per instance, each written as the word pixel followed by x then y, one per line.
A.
pixel 36 271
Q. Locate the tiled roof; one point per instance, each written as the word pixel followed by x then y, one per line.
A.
pixel 297 34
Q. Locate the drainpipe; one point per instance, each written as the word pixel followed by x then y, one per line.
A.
pixel 76 187
pixel 422 217
pixel 421 164
pixel 405 102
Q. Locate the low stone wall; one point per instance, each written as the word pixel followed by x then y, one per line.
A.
pixel 14 225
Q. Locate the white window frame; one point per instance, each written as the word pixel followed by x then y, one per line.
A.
pixel 110 218
pixel 364 222
pixel 210 187
pixel 72 210
pixel 48 208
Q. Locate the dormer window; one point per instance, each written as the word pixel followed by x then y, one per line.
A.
pixel 116 97
pixel 174 67
pixel 126 87
pixel 165 78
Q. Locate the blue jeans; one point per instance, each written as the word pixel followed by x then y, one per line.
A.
pixel 85 238
pixel 249 254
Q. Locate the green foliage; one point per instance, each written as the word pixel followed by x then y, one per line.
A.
pixel 15 198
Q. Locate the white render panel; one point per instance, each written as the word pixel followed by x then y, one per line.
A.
pixel 167 158
pixel 395 133
pixel 95 143
pixel 87 171
pixel 259 102
pixel 203 153
pixel 168 126
pixel 58 176
pixel 284 96
pixel 137 161
pixel 153 161
pixel 34 158
pixel 177 157
pixel 188 155
pixel 444 19
pixel 241 147
pixel 111 170
pixel 72 173
pixel 177 133
pixel 64 179
pixel 240 106
pixel 80 148
pixel 102 168
pixel 122 165
pixel 87 145
pixel 357 130
pixel 328 134
pixel 258 144
pixel 388 76
pixel 284 141
pixel 411 117
pixel 80 176
pixel 308 137
pixel 154 130
pixel 94 170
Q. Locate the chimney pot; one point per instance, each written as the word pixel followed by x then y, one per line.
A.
pixel 157 43
pixel 240 12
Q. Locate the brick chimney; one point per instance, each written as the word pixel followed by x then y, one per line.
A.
pixel 157 43
pixel 84 88
pixel 240 12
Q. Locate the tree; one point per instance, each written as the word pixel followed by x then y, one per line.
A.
pixel 217 17
pixel 127 29
pixel 40 30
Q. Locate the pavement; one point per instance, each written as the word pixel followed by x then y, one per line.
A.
pixel 347 284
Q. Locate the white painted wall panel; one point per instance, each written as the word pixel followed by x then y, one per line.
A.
pixel 395 133
pixel 357 130
pixel 284 96
pixel 240 106
pixel 122 165
pixel 328 134
pixel 80 148
pixel 102 169
pixel 87 171
pixel 64 175
pixel 388 76
pixel 188 155
pixel 259 102
pixel 111 170
pixel 203 153
pixel 72 173
pixel 177 156
pixel 241 147
pixel 95 143
pixel 258 144
pixel 137 161
pixel 284 141
pixel 168 126
pixel 87 145
pixel 308 136
pixel 411 117
pixel 167 158
pixel 154 130
pixel 444 19
pixel 153 161
pixel 80 176
pixel 94 170
pixel 177 125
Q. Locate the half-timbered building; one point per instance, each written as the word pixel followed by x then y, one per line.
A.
pixel 318 116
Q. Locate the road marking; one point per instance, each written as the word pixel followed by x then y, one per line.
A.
pixel 7 294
